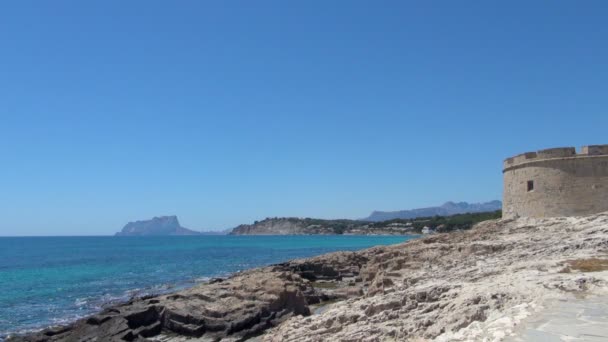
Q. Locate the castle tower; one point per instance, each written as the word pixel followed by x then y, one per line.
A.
pixel 556 182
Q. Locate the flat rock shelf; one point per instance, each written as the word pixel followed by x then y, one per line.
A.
pixel 574 319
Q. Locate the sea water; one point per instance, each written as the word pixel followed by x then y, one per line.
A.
pixel 55 280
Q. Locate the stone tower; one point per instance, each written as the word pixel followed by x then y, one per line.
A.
pixel 556 182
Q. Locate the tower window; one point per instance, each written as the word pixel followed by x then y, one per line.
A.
pixel 530 186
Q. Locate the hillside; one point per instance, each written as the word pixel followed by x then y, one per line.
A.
pixel 296 226
pixel 310 226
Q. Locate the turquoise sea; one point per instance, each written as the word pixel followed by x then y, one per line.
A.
pixel 52 280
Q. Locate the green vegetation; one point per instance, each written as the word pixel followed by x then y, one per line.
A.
pixel 443 223
pixel 396 226
pixel 339 227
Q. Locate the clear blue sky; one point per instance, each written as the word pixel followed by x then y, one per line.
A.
pixel 224 112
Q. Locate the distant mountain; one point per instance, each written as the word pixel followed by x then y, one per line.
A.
pixel 164 225
pixel 448 208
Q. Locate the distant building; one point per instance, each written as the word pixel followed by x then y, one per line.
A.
pixel 428 230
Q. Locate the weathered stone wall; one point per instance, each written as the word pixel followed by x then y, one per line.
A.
pixel 564 183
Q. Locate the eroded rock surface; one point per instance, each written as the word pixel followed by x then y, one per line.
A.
pixel 463 286
pixel 240 307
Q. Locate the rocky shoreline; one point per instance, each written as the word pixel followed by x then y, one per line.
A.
pixel 462 286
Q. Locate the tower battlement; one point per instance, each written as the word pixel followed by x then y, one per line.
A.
pixel 553 153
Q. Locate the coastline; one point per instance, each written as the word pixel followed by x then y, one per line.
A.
pixel 459 286
pixel 84 304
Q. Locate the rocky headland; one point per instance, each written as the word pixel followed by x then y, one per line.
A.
pixel 312 226
pixel 296 226
pixel 163 225
pixel 474 285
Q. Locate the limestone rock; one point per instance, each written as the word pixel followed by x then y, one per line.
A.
pixel 462 286
pixel 241 306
